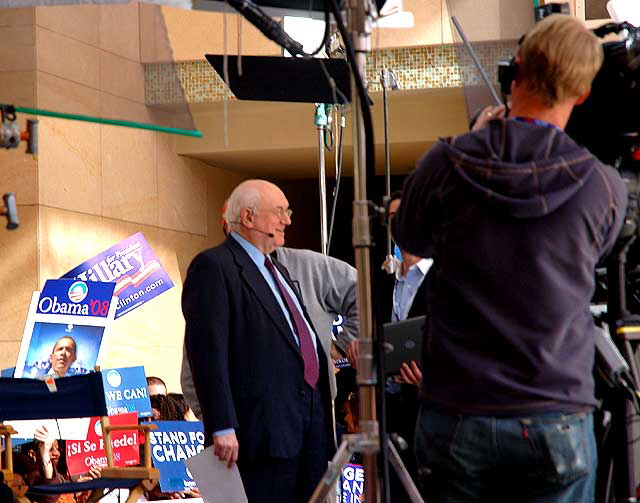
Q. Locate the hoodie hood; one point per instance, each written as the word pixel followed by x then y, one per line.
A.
pixel 525 169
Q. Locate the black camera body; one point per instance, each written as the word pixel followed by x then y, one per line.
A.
pixel 608 120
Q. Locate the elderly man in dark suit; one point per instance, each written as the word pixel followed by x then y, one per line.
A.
pixel 259 371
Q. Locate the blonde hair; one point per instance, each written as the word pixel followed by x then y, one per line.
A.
pixel 559 57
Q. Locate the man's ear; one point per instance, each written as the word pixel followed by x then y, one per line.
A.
pixel 246 216
pixel 583 97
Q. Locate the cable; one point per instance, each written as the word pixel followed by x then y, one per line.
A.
pixel 338 177
pixel 364 100
pixel 325 37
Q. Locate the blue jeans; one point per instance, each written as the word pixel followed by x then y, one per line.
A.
pixel 548 458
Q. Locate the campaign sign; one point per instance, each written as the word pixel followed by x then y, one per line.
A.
pixel 65 327
pixel 77 298
pixel 83 454
pixel 133 267
pixel 352 484
pixel 171 444
pixel 125 390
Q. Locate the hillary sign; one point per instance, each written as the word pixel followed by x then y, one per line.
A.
pixel 133 267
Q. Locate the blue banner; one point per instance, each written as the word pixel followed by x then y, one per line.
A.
pixel 76 298
pixel 352 484
pixel 133 267
pixel 125 390
pixel 171 444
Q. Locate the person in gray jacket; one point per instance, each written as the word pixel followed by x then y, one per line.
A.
pixel 328 288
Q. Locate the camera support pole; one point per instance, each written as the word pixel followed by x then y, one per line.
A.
pixel 367 442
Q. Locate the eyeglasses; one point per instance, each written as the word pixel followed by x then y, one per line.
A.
pixel 279 211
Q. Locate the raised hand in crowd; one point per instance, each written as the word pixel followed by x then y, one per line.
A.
pixel 48 454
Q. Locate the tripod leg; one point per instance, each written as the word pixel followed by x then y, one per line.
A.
pixel 403 474
pixel 334 470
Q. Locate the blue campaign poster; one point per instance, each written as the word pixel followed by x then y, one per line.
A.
pixel 352 484
pixel 47 336
pixel 171 444
pixel 66 325
pixel 125 390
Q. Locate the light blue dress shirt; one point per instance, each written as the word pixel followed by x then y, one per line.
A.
pixel 406 288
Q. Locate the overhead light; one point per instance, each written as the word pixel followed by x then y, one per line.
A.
pixel 624 10
pixel 397 20
pixel 304 30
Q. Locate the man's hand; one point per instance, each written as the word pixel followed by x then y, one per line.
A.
pixel 411 374
pixel 353 353
pixel 487 114
pixel 226 448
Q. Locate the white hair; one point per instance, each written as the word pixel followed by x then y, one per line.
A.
pixel 245 195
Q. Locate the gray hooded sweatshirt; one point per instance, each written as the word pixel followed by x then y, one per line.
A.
pixel 517 215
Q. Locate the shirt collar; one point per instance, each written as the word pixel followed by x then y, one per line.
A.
pixel 423 265
pixel 254 253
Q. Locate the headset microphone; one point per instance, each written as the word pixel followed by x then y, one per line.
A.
pixel 269 234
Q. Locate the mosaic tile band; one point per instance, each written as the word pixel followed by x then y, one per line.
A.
pixel 422 67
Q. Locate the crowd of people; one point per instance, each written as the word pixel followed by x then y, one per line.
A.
pixel 43 461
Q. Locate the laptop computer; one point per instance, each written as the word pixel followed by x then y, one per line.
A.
pixel 403 343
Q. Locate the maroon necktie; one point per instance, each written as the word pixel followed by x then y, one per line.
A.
pixel 309 358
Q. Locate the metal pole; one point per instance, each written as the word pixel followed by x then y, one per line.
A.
pixel 387 156
pixel 476 61
pixel 321 123
pixel 359 31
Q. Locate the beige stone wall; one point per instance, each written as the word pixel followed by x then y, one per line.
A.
pixel 94 185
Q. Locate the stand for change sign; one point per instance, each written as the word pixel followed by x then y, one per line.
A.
pixel 352 484
pixel 171 444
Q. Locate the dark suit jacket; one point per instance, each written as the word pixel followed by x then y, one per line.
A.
pixel 247 368
pixel 419 305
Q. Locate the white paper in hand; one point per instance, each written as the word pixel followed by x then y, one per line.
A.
pixel 216 482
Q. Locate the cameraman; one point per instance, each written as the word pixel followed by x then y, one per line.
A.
pixel 517 215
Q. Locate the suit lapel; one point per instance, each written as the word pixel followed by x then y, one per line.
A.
pixel 298 292
pixel 256 282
